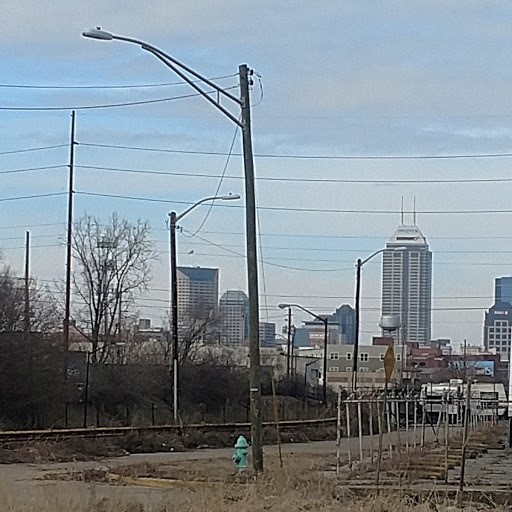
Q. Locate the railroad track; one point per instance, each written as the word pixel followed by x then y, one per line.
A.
pixel 11 436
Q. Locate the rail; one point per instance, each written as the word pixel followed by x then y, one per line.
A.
pixel 32 435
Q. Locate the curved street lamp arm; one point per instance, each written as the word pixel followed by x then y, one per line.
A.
pixel 371 256
pixel 155 50
pixel 310 312
pixel 204 200
pixel 205 95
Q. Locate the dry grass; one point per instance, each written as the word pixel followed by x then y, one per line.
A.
pixel 210 486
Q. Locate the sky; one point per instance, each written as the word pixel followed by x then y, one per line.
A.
pixel 366 95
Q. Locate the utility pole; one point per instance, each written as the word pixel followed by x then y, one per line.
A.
pixel 252 271
pixel 67 312
pixel 355 356
pixel 174 311
pixel 26 316
pixel 289 342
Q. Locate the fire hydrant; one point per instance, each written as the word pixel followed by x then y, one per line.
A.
pixel 241 454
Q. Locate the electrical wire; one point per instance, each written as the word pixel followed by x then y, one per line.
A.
pixel 228 159
pixel 106 105
pixel 28 150
pixel 31 169
pixel 34 196
pixel 304 210
pixel 306 157
pixel 100 87
pixel 291 179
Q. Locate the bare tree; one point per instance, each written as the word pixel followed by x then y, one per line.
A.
pixel 43 316
pixel 114 263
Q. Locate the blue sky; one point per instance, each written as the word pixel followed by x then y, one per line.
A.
pixel 394 78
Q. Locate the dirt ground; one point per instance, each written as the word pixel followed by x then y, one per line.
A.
pixel 204 480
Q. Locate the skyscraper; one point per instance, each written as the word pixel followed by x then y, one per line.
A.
pixel 498 320
pixel 234 317
pixel 407 282
pixel 503 289
pixel 198 292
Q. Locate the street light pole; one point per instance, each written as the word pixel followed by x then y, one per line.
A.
pixel 174 311
pixel 355 353
pixel 173 219
pixel 244 122
pixel 325 322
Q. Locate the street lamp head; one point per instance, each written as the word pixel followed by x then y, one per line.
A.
pixel 229 197
pixel 97 33
pixel 283 306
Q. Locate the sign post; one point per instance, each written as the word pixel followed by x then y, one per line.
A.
pixel 389 366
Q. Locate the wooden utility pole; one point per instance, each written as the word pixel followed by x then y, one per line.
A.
pixel 67 312
pixel 252 271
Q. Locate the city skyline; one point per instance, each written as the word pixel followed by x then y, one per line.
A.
pixel 346 120
pixel 407 282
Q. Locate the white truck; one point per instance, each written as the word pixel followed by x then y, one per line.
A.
pixel 487 398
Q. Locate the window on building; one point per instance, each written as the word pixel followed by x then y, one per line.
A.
pixel 349 356
pixel 334 368
pixel 398 357
pixel 363 369
pixel 364 357
pixel 382 356
pixel 348 369
pixel 335 355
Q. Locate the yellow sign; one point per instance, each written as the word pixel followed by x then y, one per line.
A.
pixel 389 363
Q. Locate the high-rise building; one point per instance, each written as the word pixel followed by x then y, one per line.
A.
pixel 267 334
pixel 234 317
pixel 407 283
pixel 198 293
pixel 341 328
pixel 503 289
pixel 498 320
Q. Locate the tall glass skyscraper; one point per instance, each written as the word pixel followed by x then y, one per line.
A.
pixel 503 289
pixel 407 283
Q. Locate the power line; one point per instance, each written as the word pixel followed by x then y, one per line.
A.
pixel 351 237
pixel 30 169
pixel 100 87
pixel 28 150
pixel 105 105
pixel 240 255
pixel 32 225
pixel 35 196
pixel 298 180
pixel 304 210
pixel 318 249
pixel 225 168
pixel 307 157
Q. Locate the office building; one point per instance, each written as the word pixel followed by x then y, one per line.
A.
pixel 267 334
pixel 198 293
pixel 340 328
pixel 234 317
pixel 503 290
pixel 498 319
pixel 407 283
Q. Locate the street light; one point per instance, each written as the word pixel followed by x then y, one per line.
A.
pixel 355 354
pixel 325 321
pixel 244 122
pixel 88 364
pixel 173 219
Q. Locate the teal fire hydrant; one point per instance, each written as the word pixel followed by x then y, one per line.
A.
pixel 241 454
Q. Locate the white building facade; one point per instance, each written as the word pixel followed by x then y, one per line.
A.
pixel 407 283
